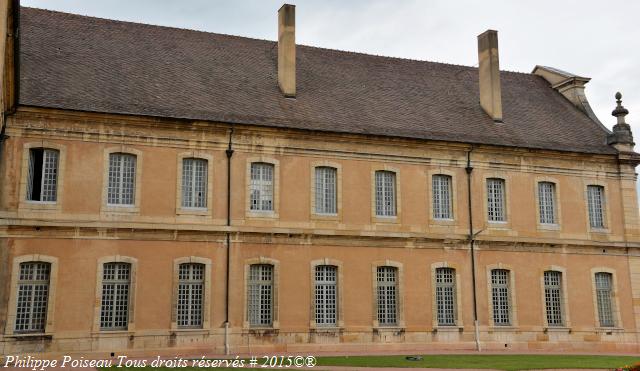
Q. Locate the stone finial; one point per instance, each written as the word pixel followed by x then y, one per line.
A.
pixel 621 130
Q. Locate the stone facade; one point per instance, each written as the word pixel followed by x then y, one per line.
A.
pixel 79 232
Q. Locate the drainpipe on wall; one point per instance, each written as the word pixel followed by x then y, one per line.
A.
pixel 469 170
pixel 229 153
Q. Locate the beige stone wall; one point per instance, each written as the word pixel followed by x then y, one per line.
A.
pixel 80 230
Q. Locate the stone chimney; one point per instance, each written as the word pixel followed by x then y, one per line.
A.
pixel 489 74
pixel 287 50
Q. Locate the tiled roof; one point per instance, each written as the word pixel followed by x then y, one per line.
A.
pixel 89 64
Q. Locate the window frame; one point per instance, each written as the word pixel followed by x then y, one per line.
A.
pixel 206 293
pixel 513 308
pixel 275 323
pixel 457 296
pixel 502 201
pixel 271 214
pixel 400 319
pixel 437 222
pixel 615 302
pixel 314 215
pixel 108 208
pixel 13 295
pixel 564 302
pixel 133 264
pixel 557 225
pixel 186 212
pixel 339 295
pixel 393 219
pixel 391 211
pixel 52 206
pixel 605 206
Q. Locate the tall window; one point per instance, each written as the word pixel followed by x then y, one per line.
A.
pixel 500 297
pixel 496 200
pixel 604 296
pixel 446 296
pixel 116 282
pixel 326 295
pixel 194 183
pixel 595 200
pixel 33 296
pixel 441 189
pixel 42 183
pixel 190 294
pixel 385 193
pixel 553 297
pixel 122 179
pixel 260 295
pixel 326 190
pixel 546 202
pixel 261 186
pixel 387 287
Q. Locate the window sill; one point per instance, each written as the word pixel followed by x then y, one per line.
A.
pixel 39 205
pixel 193 211
pixel 31 335
pixel 388 328
pixel 609 330
pixel 454 328
pixel 557 329
pixel 327 329
pixel 262 214
pixel 386 219
pixel 113 333
pixel 548 227
pixel 599 230
pixel 191 331
pixel 120 209
pixel 509 328
pixel 441 222
pixel 331 217
pixel 498 225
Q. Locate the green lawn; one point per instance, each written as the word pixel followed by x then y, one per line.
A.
pixel 500 362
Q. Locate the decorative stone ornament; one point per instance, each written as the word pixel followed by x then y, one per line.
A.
pixel 621 130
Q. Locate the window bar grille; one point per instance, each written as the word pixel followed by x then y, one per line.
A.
pixel 261 187
pixel 32 297
pixel 385 186
pixel 326 295
pixel 116 281
pixel 387 286
pixel 500 297
pixel 260 296
pixel 446 296
pixel 553 297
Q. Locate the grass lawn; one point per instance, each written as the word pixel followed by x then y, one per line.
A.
pixel 500 362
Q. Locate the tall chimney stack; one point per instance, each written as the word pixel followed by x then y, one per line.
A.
pixel 489 74
pixel 287 50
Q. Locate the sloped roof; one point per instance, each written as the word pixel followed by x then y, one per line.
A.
pixel 89 64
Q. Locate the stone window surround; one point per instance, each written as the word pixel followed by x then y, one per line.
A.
pixel 339 289
pixel 434 305
pixel 122 209
pixel 605 206
pixel 13 294
pixel 275 320
pixel 400 297
pixel 275 214
pixel 513 308
pixel 615 299
pixel 190 210
pixel 25 204
pixel 98 293
pixel 507 202
pixel 206 300
pixel 385 219
pixel 557 204
pixel 338 167
pixel 564 301
pixel 454 192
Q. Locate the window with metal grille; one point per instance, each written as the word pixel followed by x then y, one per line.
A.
pixel 190 294
pixel 553 297
pixel 42 182
pixel 387 287
pixel 122 179
pixel 33 297
pixel 116 282
pixel 546 202
pixel 496 200
pixel 261 186
pixel 326 295
pixel 326 190
pixel 385 193
pixel 500 297
pixel 595 201
pixel 260 295
pixel 446 296
pixel 194 183
pixel 604 296
pixel 441 190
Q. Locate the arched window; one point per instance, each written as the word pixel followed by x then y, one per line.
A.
pixel 42 182
pixel 194 183
pixel 32 297
pixel 122 179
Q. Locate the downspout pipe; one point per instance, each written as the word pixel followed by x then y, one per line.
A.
pixel 469 170
pixel 229 153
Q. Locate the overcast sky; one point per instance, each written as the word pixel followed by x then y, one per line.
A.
pixel 597 39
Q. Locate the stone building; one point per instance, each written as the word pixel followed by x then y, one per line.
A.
pixel 172 191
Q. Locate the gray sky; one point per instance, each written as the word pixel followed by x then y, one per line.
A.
pixel 595 39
